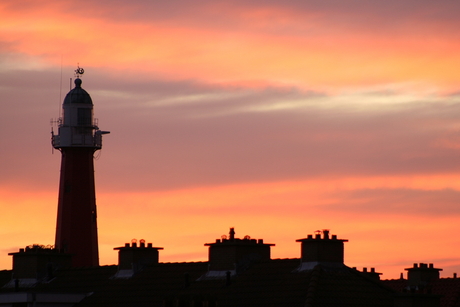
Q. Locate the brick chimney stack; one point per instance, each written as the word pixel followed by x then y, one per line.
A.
pixel 422 274
pixel 371 274
pixel 133 258
pixel 322 249
pixel 232 254
pixel 37 263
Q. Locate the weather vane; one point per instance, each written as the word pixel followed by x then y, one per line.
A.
pixel 79 71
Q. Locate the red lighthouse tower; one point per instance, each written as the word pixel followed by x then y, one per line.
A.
pixel 77 140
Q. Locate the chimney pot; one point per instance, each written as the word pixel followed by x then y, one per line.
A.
pixel 261 241
pixel 326 234
pixel 372 270
pixel 365 270
pixel 334 237
pixel 134 244
pixel 126 244
pixel 232 233
pixel 310 237
pixel 431 265
pixel 455 275
pixel 318 236
pixel 150 245
pixel 415 265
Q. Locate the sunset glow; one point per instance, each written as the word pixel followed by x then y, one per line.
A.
pixel 277 119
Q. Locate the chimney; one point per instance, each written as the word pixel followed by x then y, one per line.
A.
pixel 371 274
pixel 422 274
pixel 234 254
pixel 323 249
pixel 37 263
pixel 133 258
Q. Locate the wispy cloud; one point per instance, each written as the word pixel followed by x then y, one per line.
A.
pixel 295 114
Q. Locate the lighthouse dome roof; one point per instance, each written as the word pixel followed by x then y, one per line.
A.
pixel 78 95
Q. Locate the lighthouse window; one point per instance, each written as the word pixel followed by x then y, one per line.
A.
pixel 84 117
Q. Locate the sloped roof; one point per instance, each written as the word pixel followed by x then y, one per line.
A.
pixel 448 288
pixel 275 282
pixel 79 280
pixel 270 283
pixel 147 288
pixel 278 283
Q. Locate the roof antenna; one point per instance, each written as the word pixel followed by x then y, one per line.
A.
pixel 60 91
pixel 52 122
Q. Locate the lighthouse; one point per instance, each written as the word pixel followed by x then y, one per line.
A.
pixel 78 139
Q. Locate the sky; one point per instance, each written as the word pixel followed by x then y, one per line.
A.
pixel 278 118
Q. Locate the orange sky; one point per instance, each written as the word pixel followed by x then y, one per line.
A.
pixel 276 119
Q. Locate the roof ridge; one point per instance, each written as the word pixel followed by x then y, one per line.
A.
pixel 81 268
pixel 315 274
pixel 377 282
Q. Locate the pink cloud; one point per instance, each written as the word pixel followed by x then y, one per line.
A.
pixel 276 119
